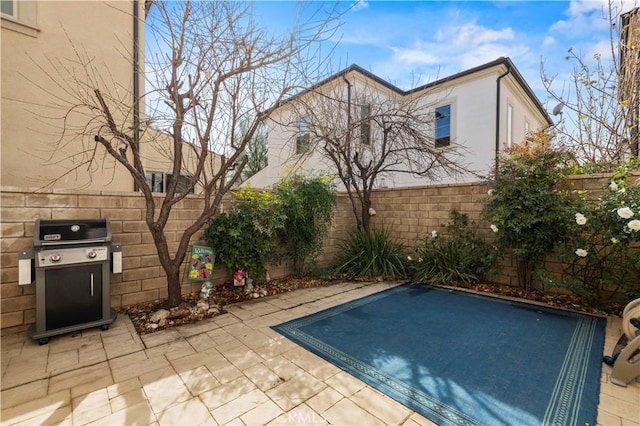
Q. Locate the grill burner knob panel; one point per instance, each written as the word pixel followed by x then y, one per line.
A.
pixel 69 256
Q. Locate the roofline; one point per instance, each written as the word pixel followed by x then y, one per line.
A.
pixel 504 61
pixel 342 73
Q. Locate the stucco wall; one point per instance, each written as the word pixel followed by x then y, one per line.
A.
pixel 473 125
pixel 39 68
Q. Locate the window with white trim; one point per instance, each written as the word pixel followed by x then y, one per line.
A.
pixel 443 125
pixel 303 136
pixel 20 16
pixel 365 126
pixel 8 7
pixel 509 125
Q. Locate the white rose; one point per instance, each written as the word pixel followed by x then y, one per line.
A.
pixel 491 192
pixel 634 225
pixel 625 212
pixel 613 185
pixel 434 233
pixel 494 228
pixel 614 240
pixel 580 219
pixel 581 252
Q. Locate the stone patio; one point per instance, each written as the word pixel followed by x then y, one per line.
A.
pixel 231 369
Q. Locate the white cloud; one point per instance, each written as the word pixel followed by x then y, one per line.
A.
pixel 585 17
pixel 359 5
pixel 477 35
pixel 463 46
pixel 602 48
pixel 451 49
pixel 417 54
pixel 548 41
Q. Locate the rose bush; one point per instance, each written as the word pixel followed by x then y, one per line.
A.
pixel 602 252
pixel 528 207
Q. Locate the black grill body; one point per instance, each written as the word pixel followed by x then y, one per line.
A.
pixel 72 260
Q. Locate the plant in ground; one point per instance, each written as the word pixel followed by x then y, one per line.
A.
pixel 307 204
pixel 528 208
pixel 244 237
pixel 602 253
pixel 372 254
pixel 459 255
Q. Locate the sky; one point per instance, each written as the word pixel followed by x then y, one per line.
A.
pixel 409 43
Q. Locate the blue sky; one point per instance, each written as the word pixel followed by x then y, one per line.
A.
pixel 413 42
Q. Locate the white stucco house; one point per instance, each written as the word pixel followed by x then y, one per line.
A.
pixel 473 115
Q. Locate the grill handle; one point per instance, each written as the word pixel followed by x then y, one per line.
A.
pixel 91 285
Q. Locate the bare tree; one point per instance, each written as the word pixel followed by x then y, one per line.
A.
pixel 601 99
pixel 209 67
pixel 368 133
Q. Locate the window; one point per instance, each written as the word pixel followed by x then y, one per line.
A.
pixel 365 127
pixel 303 136
pixel 526 128
pixel 158 182
pixel 155 181
pixel 20 16
pixel 509 125
pixel 443 125
pixel 8 7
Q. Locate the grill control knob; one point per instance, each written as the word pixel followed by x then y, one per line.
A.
pixel 92 254
pixel 55 258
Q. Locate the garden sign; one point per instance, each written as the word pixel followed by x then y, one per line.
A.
pixel 201 263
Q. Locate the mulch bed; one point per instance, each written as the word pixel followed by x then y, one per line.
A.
pixel 227 294
pixel 223 295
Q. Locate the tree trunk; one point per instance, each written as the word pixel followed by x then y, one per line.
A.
pixel 525 274
pixel 366 205
pixel 174 287
pixel 366 219
pixel 171 269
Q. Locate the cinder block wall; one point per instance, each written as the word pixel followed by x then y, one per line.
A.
pixel 143 278
pixel 411 214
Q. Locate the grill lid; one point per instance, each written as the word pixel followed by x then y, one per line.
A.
pixel 74 231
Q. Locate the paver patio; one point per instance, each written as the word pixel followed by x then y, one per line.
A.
pixel 231 369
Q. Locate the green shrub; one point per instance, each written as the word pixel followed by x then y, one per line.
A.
pixel 529 210
pixel 602 253
pixel 307 204
pixel 459 255
pixel 372 254
pixel 244 237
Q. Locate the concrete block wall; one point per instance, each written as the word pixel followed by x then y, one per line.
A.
pixel 142 279
pixel 411 214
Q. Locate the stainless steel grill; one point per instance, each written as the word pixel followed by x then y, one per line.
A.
pixel 72 261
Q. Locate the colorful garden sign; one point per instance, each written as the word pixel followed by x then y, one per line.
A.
pixel 201 263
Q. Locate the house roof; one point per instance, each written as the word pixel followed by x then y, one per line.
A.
pixel 504 61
